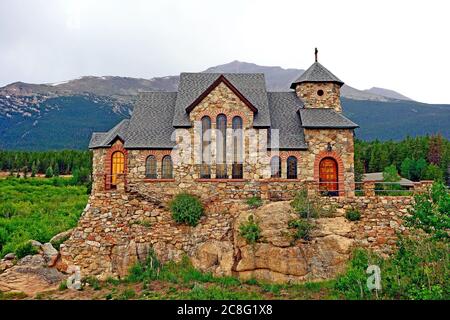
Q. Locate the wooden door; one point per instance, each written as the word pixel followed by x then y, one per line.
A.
pixel 118 166
pixel 328 174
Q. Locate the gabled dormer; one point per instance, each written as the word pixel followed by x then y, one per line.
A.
pixel 317 87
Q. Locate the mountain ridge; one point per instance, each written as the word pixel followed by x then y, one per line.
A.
pixel 277 79
pixel 64 114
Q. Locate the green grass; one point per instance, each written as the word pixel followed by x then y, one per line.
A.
pixel 37 209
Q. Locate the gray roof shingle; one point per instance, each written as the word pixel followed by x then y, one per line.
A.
pixel 284 117
pixel 157 114
pixel 325 118
pixel 104 139
pixel 151 122
pixel 317 73
pixel 251 85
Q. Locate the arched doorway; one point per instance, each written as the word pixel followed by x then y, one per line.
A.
pixel 118 166
pixel 328 176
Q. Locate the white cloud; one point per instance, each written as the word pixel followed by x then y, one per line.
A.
pixel 394 44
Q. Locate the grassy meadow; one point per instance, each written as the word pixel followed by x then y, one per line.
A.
pixel 38 209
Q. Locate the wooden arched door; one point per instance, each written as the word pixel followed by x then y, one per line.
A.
pixel 328 176
pixel 117 167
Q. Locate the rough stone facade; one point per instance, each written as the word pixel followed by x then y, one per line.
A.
pixel 256 167
pixel 118 228
pixel 310 94
pixel 123 221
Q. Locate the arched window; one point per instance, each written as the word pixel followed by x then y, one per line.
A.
pixel 205 169
pixel 151 167
pixel 275 167
pixel 292 167
pixel 237 172
pixel 167 168
pixel 221 147
pixel 118 166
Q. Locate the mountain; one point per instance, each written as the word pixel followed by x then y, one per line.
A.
pixel 387 93
pixel 63 115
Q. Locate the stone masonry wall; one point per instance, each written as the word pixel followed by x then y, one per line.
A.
pixel 118 228
pixel 308 92
pixel 256 174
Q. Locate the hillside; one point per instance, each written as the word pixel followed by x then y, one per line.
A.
pixel 63 115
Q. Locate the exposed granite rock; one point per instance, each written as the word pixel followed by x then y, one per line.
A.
pixel 30 275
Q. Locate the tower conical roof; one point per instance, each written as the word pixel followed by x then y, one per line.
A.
pixel 317 73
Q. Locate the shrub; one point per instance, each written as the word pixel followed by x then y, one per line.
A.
pixel 92 282
pixel 3 237
pixel 302 228
pixel 7 210
pixel 431 212
pixel 81 176
pixel 418 270
pixel 127 294
pixel 310 206
pixel 353 215
pixel 145 272
pixel 25 249
pixel 62 285
pixel 254 202
pixel 250 230
pixel 186 208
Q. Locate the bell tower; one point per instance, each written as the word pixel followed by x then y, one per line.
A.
pixel 317 87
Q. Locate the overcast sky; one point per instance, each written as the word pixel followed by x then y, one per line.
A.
pixel 400 45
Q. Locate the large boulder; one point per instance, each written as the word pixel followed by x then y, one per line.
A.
pixel 30 275
pixel 214 256
pixel 276 257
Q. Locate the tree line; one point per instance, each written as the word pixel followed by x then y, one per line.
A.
pixel 415 158
pixel 51 163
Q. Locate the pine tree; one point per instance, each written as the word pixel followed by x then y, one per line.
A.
pixel 49 172
pixel 435 149
pixel 56 171
pixel 33 170
pixel 406 168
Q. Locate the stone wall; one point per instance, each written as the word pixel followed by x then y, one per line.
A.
pixel 118 228
pixel 256 167
pixel 308 92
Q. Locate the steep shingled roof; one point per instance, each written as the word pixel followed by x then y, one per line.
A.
pixel 285 118
pixel 317 73
pixel 104 139
pixel 151 122
pixel 251 85
pixel 324 119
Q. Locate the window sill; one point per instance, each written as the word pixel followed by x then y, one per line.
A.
pixel 158 180
pixel 220 180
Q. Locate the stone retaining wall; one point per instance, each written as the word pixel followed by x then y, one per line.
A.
pixel 118 228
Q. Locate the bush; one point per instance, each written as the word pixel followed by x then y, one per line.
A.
pixel 302 228
pixel 310 206
pixel 353 215
pixel 92 282
pixel 250 230
pixel 81 176
pixel 25 249
pixel 418 270
pixel 7 210
pixel 145 272
pixel 254 202
pixel 431 212
pixel 186 208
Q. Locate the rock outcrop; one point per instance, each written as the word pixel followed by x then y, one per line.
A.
pixel 30 275
pixel 277 257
